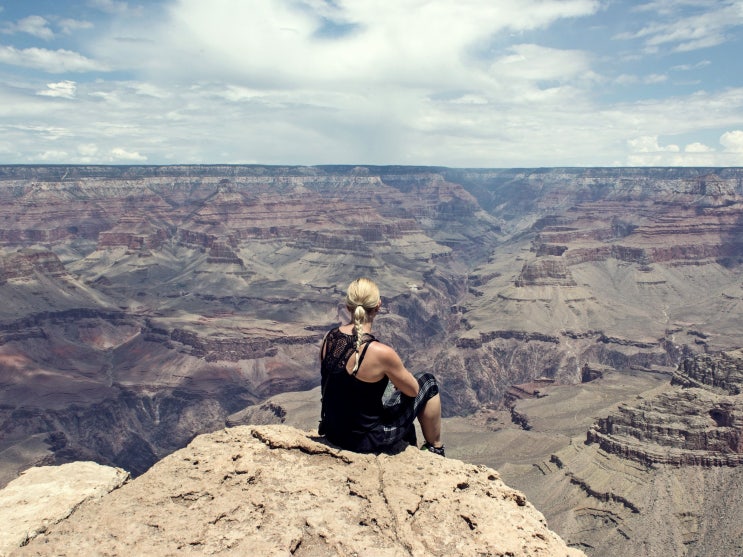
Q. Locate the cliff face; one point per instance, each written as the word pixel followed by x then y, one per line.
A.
pixel 156 301
pixel 273 490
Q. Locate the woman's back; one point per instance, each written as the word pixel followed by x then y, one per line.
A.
pixel 352 407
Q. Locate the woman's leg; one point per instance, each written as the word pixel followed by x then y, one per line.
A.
pixel 430 419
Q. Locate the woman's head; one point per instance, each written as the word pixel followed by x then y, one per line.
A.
pixel 362 297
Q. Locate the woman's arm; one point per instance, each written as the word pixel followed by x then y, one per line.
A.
pixel 393 367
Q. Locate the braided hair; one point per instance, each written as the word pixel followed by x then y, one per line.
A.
pixel 362 301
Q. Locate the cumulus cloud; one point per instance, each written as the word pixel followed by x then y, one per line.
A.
pixel 64 89
pixel 278 43
pixel 732 141
pixel 119 154
pixel 697 147
pixel 647 151
pixel 649 144
pixel 51 61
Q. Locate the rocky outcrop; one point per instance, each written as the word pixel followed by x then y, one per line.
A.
pixel 689 427
pixel 721 371
pixel 685 426
pixel 545 272
pixel 25 263
pixel 43 496
pixel 273 490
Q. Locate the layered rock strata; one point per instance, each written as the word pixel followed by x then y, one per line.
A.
pixel 689 426
pixel 721 371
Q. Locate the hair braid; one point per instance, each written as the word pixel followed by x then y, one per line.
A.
pixel 359 317
pixel 362 300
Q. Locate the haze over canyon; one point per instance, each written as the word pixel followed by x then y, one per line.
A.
pixel 584 322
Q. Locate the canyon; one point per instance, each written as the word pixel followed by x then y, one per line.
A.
pixel 146 305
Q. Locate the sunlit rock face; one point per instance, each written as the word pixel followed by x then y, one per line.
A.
pixel 275 490
pixel 143 305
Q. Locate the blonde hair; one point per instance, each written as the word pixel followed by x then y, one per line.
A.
pixel 362 301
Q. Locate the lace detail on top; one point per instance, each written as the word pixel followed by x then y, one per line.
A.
pixel 339 347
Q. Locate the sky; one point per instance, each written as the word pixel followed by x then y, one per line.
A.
pixel 457 83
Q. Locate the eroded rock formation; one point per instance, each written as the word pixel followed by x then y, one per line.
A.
pixel 694 426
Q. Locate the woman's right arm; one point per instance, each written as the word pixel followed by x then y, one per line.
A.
pixel 401 378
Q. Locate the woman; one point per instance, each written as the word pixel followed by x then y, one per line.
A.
pixel 356 369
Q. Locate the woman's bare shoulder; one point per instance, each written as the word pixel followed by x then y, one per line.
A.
pixel 382 351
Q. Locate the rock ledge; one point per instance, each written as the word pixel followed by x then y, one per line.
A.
pixel 275 490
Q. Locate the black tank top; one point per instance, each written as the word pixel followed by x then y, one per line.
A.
pixel 351 408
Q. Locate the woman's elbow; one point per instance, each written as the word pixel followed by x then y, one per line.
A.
pixel 410 389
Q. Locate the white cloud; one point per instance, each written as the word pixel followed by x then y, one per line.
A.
pixel 655 79
pixel 34 25
pixel 273 43
pixel 51 61
pixel 706 26
pixel 40 132
pixel 53 156
pixel 70 26
pixel 732 141
pixel 119 154
pixel 691 67
pixel 64 89
pixel 649 144
pixel 652 79
pixel 466 83
pixel 626 79
pixel 697 147
pixel 536 63
pixel 647 151
pixel 470 99
pixel 114 7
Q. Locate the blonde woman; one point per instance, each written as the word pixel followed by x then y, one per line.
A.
pixel 356 369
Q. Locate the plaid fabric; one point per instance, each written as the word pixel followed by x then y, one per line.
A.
pixel 401 410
